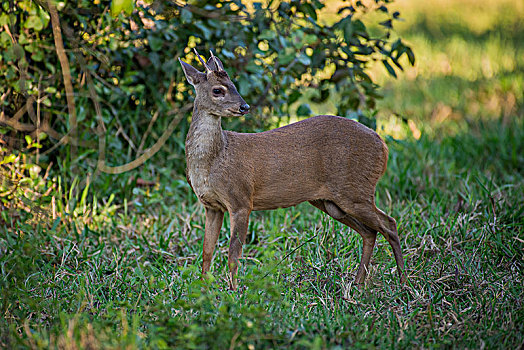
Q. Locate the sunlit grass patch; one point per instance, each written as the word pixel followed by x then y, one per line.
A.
pixel 470 66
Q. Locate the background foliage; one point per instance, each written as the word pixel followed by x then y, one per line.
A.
pixel 114 262
pixel 127 64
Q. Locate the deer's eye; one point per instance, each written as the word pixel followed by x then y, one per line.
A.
pixel 218 92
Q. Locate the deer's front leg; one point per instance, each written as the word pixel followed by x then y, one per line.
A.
pixel 239 223
pixel 214 219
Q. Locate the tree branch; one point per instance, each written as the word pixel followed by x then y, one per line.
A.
pixel 147 153
pixel 66 72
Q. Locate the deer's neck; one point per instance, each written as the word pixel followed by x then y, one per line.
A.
pixel 204 140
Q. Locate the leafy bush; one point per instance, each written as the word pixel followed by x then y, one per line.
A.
pixel 24 193
pixel 127 84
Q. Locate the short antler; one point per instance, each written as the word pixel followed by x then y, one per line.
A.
pixel 208 70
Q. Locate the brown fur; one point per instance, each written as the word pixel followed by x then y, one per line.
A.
pixel 332 162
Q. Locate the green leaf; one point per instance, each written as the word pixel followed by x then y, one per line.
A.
pixel 4 19
pixel 323 96
pixel 244 86
pixel 155 43
pixel 8 159
pixel 186 16
pixel 18 51
pixel 348 29
pixel 228 54
pixel 304 110
pixel 387 24
pixel 44 17
pixel 294 96
pixel 390 69
pixel 22 39
pixel 411 55
pixel 34 22
pixel 30 47
pixel 308 9
pixel 113 44
pixel 5 40
pixel 205 30
pixel 397 63
pixel 267 34
pixel 360 28
pixel 38 56
pixel 310 39
pixel 287 56
pixel 304 59
pixel 297 39
pixel 252 67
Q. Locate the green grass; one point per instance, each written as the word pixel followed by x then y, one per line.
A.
pixel 134 280
pixel 124 273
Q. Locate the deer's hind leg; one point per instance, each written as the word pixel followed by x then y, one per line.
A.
pixel 367 214
pixel 368 235
pixel 389 225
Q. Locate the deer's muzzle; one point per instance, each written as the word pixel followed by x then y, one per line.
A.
pixel 244 108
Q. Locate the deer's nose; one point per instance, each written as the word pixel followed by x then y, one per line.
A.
pixel 244 108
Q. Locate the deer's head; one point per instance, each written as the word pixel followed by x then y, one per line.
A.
pixel 215 92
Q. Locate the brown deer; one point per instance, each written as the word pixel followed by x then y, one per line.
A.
pixel 332 162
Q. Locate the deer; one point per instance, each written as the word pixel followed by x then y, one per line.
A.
pixel 332 162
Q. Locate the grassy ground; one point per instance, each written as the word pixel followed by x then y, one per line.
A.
pixel 126 274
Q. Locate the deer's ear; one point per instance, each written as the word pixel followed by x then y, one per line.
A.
pixel 215 63
pixel 193 76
